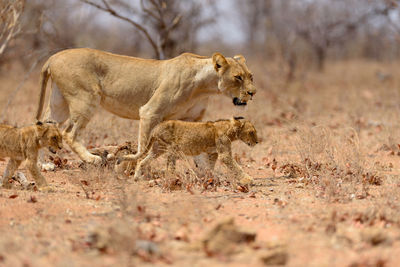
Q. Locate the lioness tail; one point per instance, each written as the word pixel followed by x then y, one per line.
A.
pixel 44 77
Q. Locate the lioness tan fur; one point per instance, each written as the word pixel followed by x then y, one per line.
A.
pixel 23 143
pixel 194 138
pixel 136 88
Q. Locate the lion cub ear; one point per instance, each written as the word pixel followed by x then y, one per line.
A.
pixel 42 129
pixel 219 61
pixel 235 121
pixel 240 59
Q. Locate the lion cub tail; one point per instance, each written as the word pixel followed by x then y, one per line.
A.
pixel 140 154
pixel 44 77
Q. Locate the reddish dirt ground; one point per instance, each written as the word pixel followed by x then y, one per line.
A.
pixel 338 206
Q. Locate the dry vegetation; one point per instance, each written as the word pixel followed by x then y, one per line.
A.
pixel 327 173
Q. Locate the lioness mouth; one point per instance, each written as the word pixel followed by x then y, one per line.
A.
pixel 237 102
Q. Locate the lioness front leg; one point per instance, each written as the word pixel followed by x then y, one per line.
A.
pixel 151 114
pixel 225 155
pixel 146 125
pixel 12 166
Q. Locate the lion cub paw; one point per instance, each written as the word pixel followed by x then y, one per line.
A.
pixel 246 180
pixel 6 185
pixel 46 189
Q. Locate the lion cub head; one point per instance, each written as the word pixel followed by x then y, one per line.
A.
pixel 49 136
pixel 245 131
pixel 234 78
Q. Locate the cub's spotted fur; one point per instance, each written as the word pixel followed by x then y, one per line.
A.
pixel 194 138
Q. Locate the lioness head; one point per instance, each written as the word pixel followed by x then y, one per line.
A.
pixel 245 131
pixel 49 136
pixel 234 78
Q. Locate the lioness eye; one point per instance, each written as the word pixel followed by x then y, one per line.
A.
pixel 251 77
pixel 238 77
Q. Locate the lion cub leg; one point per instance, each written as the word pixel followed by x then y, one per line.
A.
pixel 12 166
pixel 243 177
pixel 212 159
pixel 40 181
pixel 171 159
pixel 225 155
pixel 232 165
pixel 152 154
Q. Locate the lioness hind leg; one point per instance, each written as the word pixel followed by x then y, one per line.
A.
pixel 81 112
pixel 12 166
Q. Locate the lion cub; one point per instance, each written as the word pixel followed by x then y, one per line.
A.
pixel 194 138
pixel 23 143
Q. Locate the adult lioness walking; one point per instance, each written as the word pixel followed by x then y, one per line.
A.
pixel 135 88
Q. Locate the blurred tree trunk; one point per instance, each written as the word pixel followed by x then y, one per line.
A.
pixel 320 53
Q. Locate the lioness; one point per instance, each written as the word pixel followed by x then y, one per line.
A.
pixel 23 144
pixel 136 88
pixel 194 138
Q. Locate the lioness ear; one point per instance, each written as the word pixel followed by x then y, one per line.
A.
pixel 240 59
pixel 219 61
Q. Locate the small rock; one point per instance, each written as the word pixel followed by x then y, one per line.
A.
pixel 98 239
pixel 275 257
pixel 48 166
pixel 32 199
pixel 147 246
pixel 225 238
pixel 152 183
pixel 374 236
pixel 118 237
pixel 182 235
pixel 21 178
